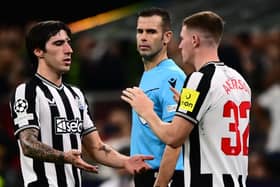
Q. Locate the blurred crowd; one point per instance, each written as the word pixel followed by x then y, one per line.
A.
pixel 112 64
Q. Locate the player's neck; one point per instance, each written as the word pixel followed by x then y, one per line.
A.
pixel 204 57
pixel 51 76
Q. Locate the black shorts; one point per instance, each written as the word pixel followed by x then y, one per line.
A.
pixel 147 179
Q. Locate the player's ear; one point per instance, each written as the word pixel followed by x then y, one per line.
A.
pixel 195 40
pixel 38 52
pixel 167 37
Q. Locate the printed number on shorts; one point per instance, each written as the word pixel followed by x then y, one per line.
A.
pixel 238 112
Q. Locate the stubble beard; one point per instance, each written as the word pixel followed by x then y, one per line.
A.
pixel 150 56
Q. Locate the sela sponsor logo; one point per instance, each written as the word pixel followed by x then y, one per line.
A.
pixel 64 126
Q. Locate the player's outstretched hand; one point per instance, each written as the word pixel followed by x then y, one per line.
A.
pixel 136 164
pixel 74 157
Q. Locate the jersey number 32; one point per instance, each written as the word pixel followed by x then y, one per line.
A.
pixel 241 138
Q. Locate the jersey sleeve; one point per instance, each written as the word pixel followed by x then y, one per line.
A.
pixel 88 125
pixel 193 99
pixel 23 105
pixel 169 105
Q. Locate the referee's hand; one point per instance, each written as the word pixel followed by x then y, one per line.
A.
pixel 74 157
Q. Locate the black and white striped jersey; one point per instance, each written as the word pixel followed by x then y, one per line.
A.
pixel 217 101
pixel 61 115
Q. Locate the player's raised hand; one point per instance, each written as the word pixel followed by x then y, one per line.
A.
pixel 138 100
pixel 176 95
pixel 74 157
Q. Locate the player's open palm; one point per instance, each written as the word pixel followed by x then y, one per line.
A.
pixel 136 164
pixel 74 157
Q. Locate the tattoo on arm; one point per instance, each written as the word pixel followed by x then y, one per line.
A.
pixel 32 147
pixel 105 148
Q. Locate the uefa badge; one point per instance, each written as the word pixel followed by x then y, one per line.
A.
pixel 20 106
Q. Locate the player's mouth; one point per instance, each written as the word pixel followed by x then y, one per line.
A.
pixel 67 61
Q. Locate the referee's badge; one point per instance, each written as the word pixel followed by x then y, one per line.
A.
pixel 188 99
pixel 171 108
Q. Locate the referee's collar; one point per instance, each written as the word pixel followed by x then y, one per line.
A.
pixel 49 82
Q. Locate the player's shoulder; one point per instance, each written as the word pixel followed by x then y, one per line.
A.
pixel 195 76
pixel 21 90
pixel 234 73
pixel 23 85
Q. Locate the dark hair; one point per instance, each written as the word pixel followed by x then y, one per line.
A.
pixel 40 33
pixel 208 22
pixel 164 14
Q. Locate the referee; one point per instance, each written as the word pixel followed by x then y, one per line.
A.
pixel 153 34
pixel 51 118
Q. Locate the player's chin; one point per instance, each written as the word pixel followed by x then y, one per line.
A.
pixel 65 69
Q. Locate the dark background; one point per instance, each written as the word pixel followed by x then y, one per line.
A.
pixel 20 12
